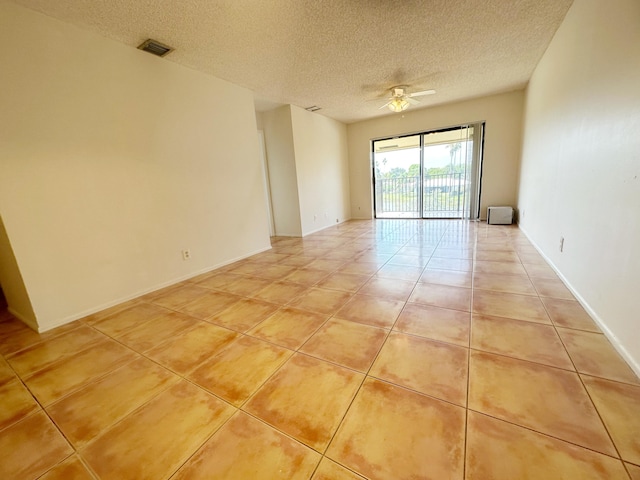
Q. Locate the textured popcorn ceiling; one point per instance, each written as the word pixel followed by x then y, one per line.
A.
pixel 341 55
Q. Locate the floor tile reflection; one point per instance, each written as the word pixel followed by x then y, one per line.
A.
pixel 388 349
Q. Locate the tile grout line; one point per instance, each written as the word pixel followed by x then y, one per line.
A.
pixel 143 404
pixel 615 447
pixel 545 434
pixel 586 390
pixel 466 410
pixel 322 454
pixel 357 392
pixel 297 351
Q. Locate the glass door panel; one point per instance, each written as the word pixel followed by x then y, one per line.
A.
pixel 446 173
pixel 396 173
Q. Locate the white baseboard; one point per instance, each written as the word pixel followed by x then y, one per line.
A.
pixel 112 303
pixel 635 366
pixel 324 228
pixel 292 235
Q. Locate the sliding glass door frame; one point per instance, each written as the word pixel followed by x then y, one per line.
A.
pixel 475 171
pixel 478 159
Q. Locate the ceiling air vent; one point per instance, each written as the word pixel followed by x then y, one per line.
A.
pixel 155 47
pixel 314 108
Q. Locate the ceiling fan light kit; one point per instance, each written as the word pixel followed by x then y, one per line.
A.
pixel 398 105
pixel 400 99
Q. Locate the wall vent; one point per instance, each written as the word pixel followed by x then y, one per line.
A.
pixel 155 47
pixel 314 108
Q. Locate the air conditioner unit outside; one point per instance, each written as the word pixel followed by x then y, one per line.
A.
pixel 499 215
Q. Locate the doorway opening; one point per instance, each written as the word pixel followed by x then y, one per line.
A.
pixel 434 174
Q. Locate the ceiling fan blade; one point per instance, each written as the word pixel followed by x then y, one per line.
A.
pixel 380 108
pixel 412 101
pixel 420 94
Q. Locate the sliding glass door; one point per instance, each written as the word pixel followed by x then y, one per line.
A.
pixel 429 175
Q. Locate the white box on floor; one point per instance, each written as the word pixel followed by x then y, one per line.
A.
pixel 499 215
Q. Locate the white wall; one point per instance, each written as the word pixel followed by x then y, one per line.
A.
pixel 308 170
pixel 112 162
pixel 322 168
pixel 281 159
pixel 580 173
pixel 503 117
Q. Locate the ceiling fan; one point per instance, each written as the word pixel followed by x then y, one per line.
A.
pixel 400 99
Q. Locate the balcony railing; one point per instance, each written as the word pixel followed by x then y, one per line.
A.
pixel 442 196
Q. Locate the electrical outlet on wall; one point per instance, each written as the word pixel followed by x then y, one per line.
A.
pixel 186 254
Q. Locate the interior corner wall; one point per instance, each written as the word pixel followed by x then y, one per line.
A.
pixel 502 145
pixel 308 170
pixel 259 121
pixel 113 161
pixel 580 175
pixel 12 284
pixel 322 169
pixel 281 159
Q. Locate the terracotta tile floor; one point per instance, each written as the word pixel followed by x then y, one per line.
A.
pixel 393 349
